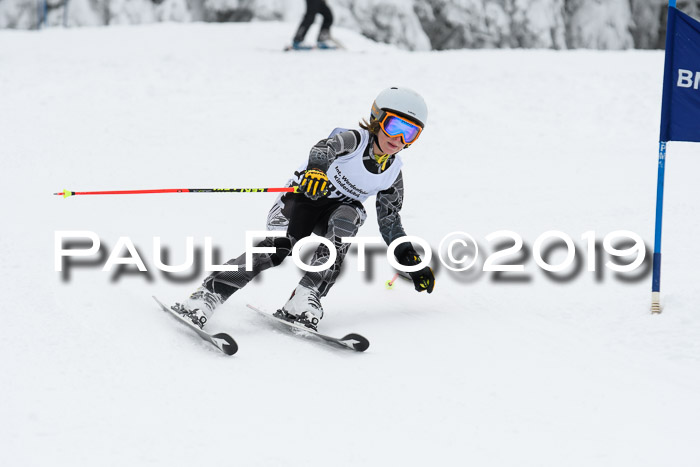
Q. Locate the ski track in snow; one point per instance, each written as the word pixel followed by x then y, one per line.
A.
pixel 538 373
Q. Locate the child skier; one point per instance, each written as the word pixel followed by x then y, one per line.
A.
pixel 360 163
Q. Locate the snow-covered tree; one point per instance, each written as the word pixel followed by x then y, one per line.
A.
pixel 538 23
pixel 243 10
pixel 649 25
pixel 410 24
pixel 20 14
pixel 599 24
pixel 173 10
pixel 86 13
pixel 454 24
pixel 131 11
pixel 389 21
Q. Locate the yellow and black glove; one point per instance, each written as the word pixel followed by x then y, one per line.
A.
pixel 314 184
pixel 423 279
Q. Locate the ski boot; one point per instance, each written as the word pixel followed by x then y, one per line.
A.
pixel 326 45
pixel 297 45
pixel 325 41
pixel 199 307
pixel 303 307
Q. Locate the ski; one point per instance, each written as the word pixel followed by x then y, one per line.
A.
pixel 221 341
pixel 351 341
pixel 332 44
pixel 306 48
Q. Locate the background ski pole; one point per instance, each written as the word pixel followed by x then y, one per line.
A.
pixel 291 189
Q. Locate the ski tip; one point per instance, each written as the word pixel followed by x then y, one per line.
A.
pixel 289 48
pixel 162 305
pixel 229 347
pixel 361 343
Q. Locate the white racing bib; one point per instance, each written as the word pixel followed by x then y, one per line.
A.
pixel 350 177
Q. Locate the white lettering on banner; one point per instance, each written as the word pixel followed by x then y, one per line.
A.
pixel 685 79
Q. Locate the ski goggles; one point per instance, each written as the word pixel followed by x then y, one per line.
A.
pixel 394 125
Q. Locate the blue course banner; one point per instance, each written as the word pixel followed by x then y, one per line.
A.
pixel 680 108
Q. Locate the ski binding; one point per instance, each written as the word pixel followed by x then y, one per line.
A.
pixel 351 341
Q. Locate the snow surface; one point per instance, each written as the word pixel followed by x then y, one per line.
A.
pixel 481 372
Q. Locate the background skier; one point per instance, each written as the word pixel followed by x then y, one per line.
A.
pixel 314 7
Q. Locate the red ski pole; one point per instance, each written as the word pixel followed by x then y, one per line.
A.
pixel 291 189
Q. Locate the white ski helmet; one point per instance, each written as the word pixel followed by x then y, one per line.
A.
pixel 403 101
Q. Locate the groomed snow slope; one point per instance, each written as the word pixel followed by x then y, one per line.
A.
pixel 533 372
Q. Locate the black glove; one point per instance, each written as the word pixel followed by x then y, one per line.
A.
pixel 423 279
pixel 314 184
